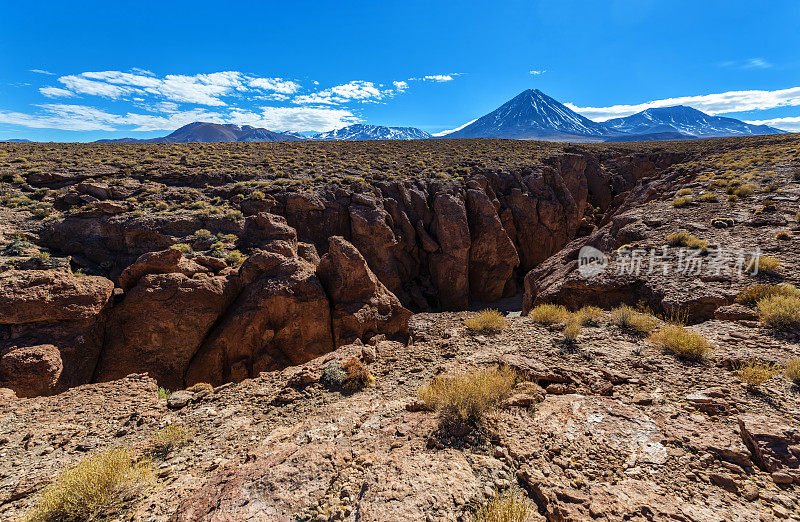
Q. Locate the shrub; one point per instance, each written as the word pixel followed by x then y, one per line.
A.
pixel 163 393
pixel 722 223
pixel 755 373
pixel 780 311
pixel 234 258
pixel 792 370
pixel 357 376
pixel 486 321
pixel 333 375
pixel 548 314
pixel 743 191
pixel 755 293
pixel 95 486
pixel 708 197
pixel 682 201
pixel 467 397
pixel 508 506
pixel 572 330
pixel 684 192
pixel 589 315
pixel 765 264
pixel 783 235
pixel 681 341
pixel 170 438
pixel 633 320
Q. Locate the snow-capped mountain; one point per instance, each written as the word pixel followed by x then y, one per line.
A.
pixel 372 132
pixel 534 115
pixel 686 120
pixel 204 132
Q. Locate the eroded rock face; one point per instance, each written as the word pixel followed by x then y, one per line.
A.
pixel 169 261
pixel 281 317
pixel 361 305
pixel 31 370
pixel 160 325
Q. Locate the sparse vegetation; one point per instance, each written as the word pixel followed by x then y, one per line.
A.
pixel 170 438
pixel 766 265
pixel 783 235
pixel 755 373
pixel 94 487
pixel 687 240
pixel 755 293
pixel 467 397
pixel 792 370
pixel 630 319
pixel 487 321
pixel 510 505
pixel 357 376
pixel 681 342
pixel 780 311
pixel 548 314
pixel 682 201
pixel 589 314
pixel 163 393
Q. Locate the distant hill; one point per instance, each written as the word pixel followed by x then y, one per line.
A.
pixel 372 132
pixel 16 140
pixel 688 121
pixel 653 136
pixel 203 132
pixel 534 115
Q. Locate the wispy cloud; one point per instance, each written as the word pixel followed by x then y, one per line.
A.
pixel 55 92
pixel 790 124
pixel 357 90
pixel 719 103
pixel 40 71
pixel 750 63
pixel 537 73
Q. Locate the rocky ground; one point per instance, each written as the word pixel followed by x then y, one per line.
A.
pixel 606 426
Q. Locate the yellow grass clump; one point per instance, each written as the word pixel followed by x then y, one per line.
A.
pixel 170 438
pixel 508 506
pixel 95 486
pixel 681 342
pixel 780 311
pixel 486 321
pixel 765 264
pixel 755 373
pixel 548 314
pixel 588 314
pixel 755 293
pixel 467 397
pixel 629 318
pixel 792 370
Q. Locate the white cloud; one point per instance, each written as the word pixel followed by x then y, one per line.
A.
pixel 40 71
pixel 790 124
pixel 438 78
pixel 751 63
pixel 85 118
pixel 278 85
pixel 719 103
pixel 55 92
pixel 355 90
pixel 537 73
pixel 400 86
pixel 83 85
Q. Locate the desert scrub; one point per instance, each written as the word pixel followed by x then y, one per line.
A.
pixel 765 264
pixel 356 375
pixel 684 192
pixel 708 197
pixel 682 201
pixel 333 376
pixel 163 393
pixel 681 341
pixel 169 438
pixel 572 329
pixel 486 321
pixel 687 240
pixel 509 506
pixel 792 370
pixel 783 235
pixel 234 258
pixel 588 315
pixel 780 311
pixel 755 293
pixel 755 373
pixel 468 396
pixel 628 318
pixel 548 314
pixel 722 223
pixel 94 487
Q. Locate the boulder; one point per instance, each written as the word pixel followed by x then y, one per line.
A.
pixel 31 370
pixel 449 267
pixel 167 261
pixel 34 296
pixel 361 305
pixel 770 441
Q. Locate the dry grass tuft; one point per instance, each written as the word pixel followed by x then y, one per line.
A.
pixel 548 314
pixel 170 438
pixel 687 240
pixel 755 293
pixel 94 487
pixel 780 311
pixel 486 321
pixel 588 315
pixel 201 387
pixel 682 201
pixel 572 329
pixel 633 320
pixel 681 342
pixel 508 506
pixel 755 373
pixel 467 397
pixel 792 370
pixel 765 264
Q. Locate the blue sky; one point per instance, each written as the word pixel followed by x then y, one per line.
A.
pixel 80 71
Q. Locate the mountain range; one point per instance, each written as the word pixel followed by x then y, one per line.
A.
pixel 530 115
